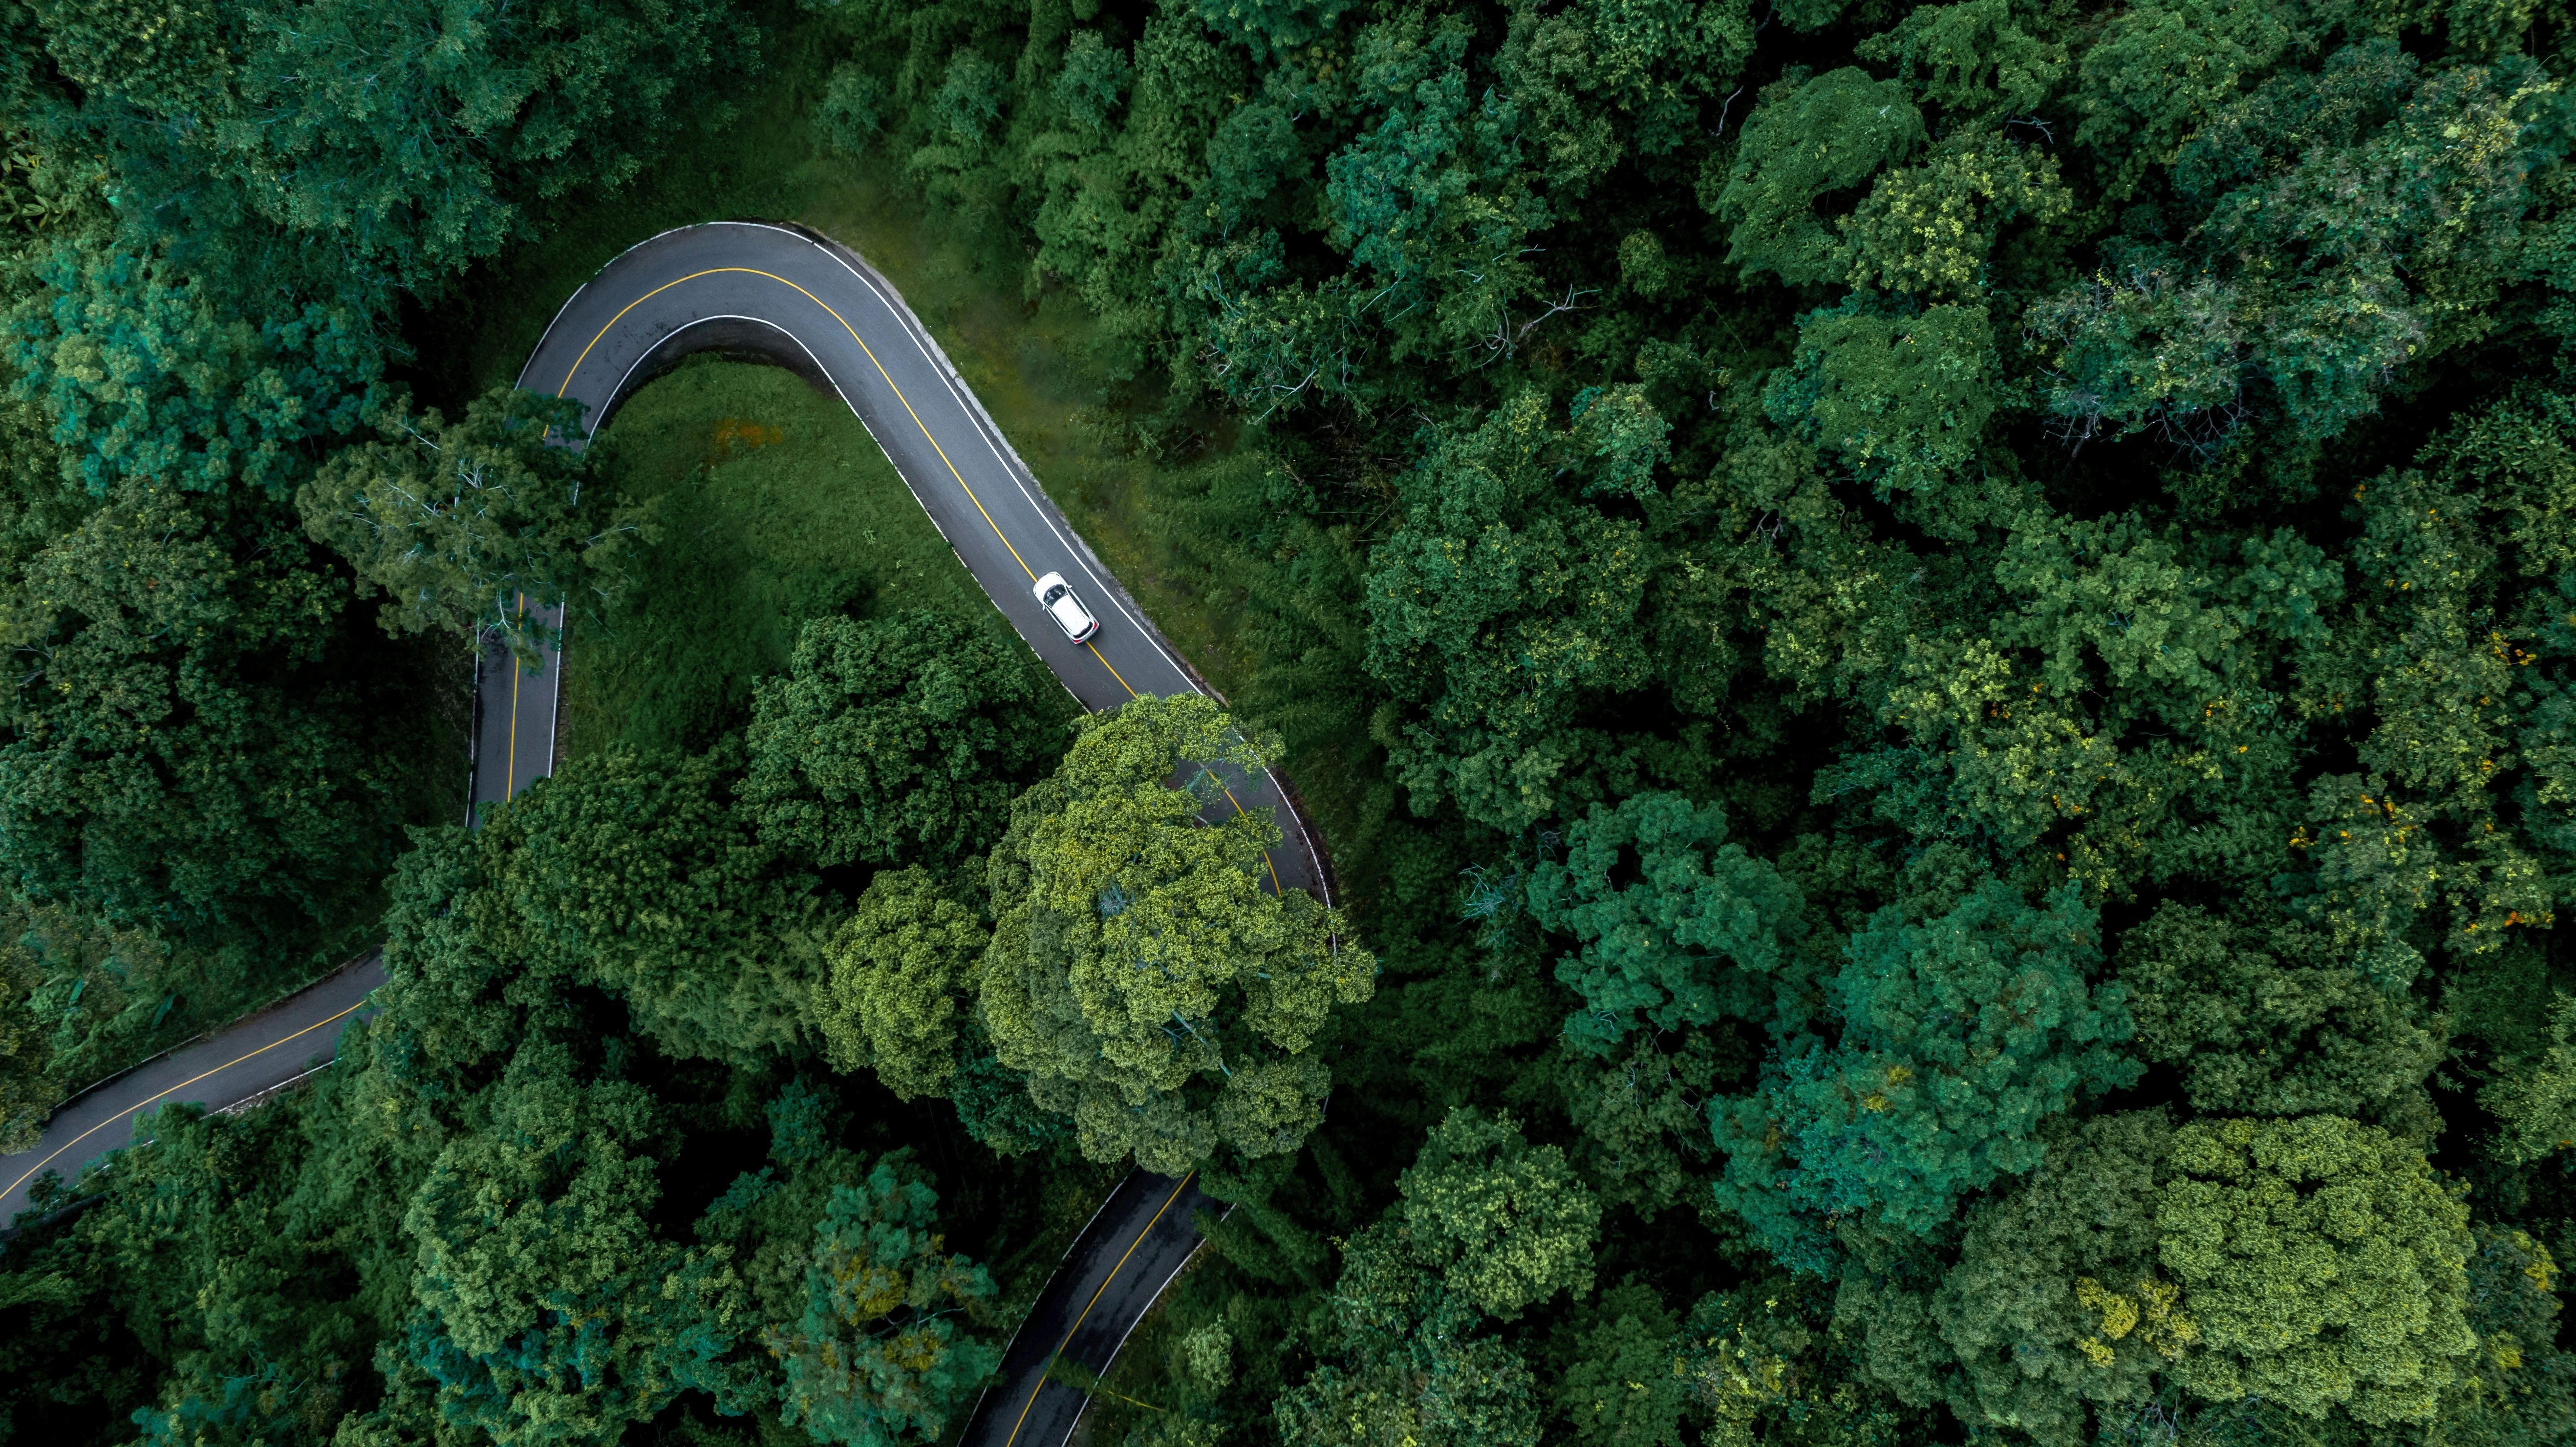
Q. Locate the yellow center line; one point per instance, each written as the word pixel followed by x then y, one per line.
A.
pixel 182 1085
pixel 1095 1301
pixel 916 421
pixel 1113 672
pixel 864 349
pixel 510 765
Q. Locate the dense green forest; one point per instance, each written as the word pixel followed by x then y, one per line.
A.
pixel 1936 645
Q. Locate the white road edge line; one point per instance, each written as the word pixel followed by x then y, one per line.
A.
pixel 1104 1205
pixel 1151 1303
pixel 1023 477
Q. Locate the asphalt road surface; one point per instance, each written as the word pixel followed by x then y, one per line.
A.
pixel 779 295
pixel 788 297
pixel 514 708
pixel 245 1060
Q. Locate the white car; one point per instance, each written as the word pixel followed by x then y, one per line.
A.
pixel 1057 599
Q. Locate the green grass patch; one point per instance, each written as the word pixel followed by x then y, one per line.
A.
pixel 773 505
pixel 1040 366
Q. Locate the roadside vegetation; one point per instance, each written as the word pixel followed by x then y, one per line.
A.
pixel 1934 643
pixel 769 506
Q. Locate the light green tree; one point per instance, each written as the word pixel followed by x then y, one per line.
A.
pixel 1407 1367
pixel 1139 972
pixel 1504 1223
pixel 895 973
pixel 1929 232
pixel 2324 1262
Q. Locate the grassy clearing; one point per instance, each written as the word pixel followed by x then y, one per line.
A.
pixel 1033 363
pixel 774 506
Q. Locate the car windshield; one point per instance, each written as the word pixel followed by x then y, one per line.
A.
pixel 1055 594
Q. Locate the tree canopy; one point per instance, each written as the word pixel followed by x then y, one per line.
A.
pixel 468 526
pixel 1139 972
pixel 1931 648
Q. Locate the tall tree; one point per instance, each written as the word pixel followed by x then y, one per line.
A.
pixel 1411 1365
pixel 1698 932
pixel 471 526
pixel 644 876
pixel 1959 1036
pixel 548 1307
pixel 181 747
pixel 1501 604
pixel 1139 972
pixel 1504 1223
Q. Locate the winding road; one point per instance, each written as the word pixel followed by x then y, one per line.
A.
pixel 789 297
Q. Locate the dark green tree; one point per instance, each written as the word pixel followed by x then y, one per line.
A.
pixel 870 1324
pixel 548 1307
pixel 150 374
pixel 1501 606
pixel 469 526
pixel 1960 1035
pixel 415 137
pixel 1621 1390
pixel 879 1355
pixel 2534 1101
pixel 642 875
pixel 892 740
pixel 180 747
pixel 1691 931
pixel 2272 1026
